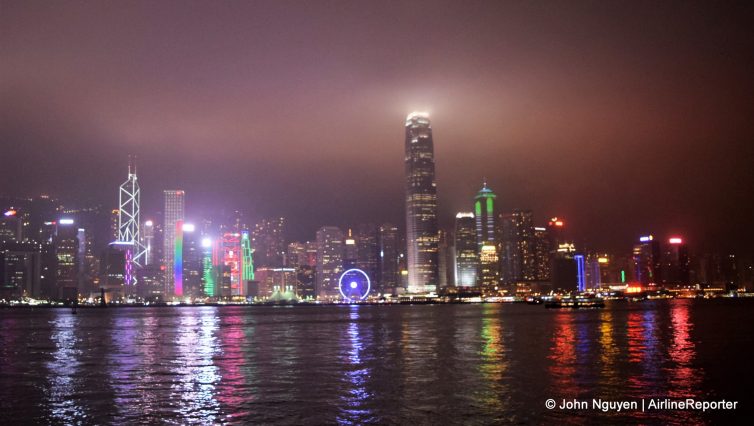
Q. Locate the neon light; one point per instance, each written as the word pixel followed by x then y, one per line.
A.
pixel 646 238
pixel 66 221
pixel 478 208
pixel 188 227
pixel 489 206
pixel 248 262
pixel 178 260
pixel 622 276
pixel 10 213
pixel 148 223
pixel 208 275
pixel 602 260
pixel 206 242
pixel 580 277
pixel 675 240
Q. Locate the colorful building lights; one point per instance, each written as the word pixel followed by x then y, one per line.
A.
pixel 178 260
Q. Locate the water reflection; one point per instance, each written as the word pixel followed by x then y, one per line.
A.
pixel 494 363
pixel 197 376
pixel 684 378
pixel 232 392
pixel 563 356
pixel 356 374
pixel 65 365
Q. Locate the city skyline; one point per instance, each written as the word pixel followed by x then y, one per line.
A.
pixel 607 141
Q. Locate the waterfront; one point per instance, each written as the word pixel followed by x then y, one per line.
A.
pixel 471 363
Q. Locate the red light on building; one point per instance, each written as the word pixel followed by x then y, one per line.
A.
pixel 556 222
pixel 675 240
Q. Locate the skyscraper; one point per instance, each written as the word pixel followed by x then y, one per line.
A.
pixel 174 211
pixel 387 277
pixel 330 246
pixel 484 213
pixel 421 205
pixel 466 258
pixel 518 251
pixel 268 242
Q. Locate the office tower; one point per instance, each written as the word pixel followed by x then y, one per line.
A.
pixel 594 270
pixel 484 212
pixel 675 262
pixel 466 250
pixel 129 224
pixel 147 236
pixel 368 252
pixel 209 270
pixel 268 242
pixel 388 246
pixel 580 272
pixel 421 205
pixel 486 235
pixel 646 260
pixel 193 265
pixel 565 268
pixel 66 245
pixel 517 247
pixel 445 274
pixel 172 223
pixel 542 257
pixel 350 252
pixel 20 270
pixel 236 264
pixel 330 246
pixel 295 255
pixel 10 227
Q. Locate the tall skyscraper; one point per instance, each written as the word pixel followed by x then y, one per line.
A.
pixel 421 205
pixel 268 242
pixel 484 212
pixel 330 247
pixel 487 241
pixel 174 211
pixel 388 240
pixel 518 251
pixel 646 260
pixel 466 250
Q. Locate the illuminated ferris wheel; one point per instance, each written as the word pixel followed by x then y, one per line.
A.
pixel 354 285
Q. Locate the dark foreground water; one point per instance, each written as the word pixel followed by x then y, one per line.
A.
pixel 440 364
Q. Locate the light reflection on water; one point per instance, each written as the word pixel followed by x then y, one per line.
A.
pixel 475 364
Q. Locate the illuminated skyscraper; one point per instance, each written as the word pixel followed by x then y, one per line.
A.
pixel 646 260
pixel 389 253
pixel 421 205
pixel 466 249
pixel 675 262
pixel 484 212
pixel 173 214
pixel 518 261
pixel 330 246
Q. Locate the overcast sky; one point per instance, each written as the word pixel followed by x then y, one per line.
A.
pixel 623 117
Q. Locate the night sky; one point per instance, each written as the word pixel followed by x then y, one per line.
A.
pixel 624 118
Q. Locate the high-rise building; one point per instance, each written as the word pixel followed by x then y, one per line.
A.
pixel 147 236
pixel 388 273
pixel 647 260
pixel 368 252
pixel 466 250
pixel 542 256
pixel 518 258
pixel 350 251
pixel 235 264
pixel 484 212
pixel 421 205
pixel 330 246
pixel 66 244
pixel 675 262
pixel 173 222
pixel 268 242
